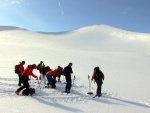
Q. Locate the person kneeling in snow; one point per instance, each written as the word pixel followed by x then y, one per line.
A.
pixel 51 77
pixel 25 77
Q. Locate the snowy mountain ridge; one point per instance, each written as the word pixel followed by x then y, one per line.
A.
pixel 98 35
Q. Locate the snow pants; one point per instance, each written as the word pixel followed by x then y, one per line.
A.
pixel 43 79
pixel 51 81
pixel 69 82
pixel 99 86
pixel 26 85
pixel 19 83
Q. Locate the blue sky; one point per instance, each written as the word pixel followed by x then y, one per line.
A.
pixel 66 15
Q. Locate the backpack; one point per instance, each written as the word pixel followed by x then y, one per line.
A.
pixel 17 69
pixel 38 67
pixel 31 92
pixel 65 70
pixel 98 75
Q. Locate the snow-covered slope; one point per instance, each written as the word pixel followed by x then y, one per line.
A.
pixel 123 56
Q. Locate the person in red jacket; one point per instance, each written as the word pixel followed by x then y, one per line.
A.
pixel 25 77
pixel 21 69
pixel 98 76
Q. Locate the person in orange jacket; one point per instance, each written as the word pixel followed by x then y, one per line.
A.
pixel 21 69
pixel 98 76
pixel 25 77
pixel 51 76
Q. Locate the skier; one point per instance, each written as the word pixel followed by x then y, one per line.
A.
pixel 98 76
pixel 25 77
pixel 51 77
pixel 40 66
pixel 60 73
pixel 43 73
pixel 67 73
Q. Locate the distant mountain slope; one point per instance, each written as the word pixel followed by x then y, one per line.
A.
pixel 93 38
pixel 6 28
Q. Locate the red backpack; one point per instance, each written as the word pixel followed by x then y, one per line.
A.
pixel 17 69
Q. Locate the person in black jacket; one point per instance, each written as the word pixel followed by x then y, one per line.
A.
pixel 67 73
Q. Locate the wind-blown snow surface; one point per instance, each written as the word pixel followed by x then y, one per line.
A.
pixel 123 56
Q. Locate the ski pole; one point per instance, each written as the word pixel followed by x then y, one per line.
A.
pixel 74 79
pixel 89 86
pixel 30 80
pixel 38 83
pixel 89 83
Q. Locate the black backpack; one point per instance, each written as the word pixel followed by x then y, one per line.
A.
pixel 38 67
pixel 17 69
pixel 98 73
pixel 64 71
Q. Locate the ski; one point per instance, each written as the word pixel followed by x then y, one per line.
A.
pixel 103 94
pixel 90 93
pixel 95 96
pixel 47 86
pixel 65 92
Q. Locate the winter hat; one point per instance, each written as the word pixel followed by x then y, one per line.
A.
pixel 70 64
pixel 23 62
pixel 34 66
pixel 96 69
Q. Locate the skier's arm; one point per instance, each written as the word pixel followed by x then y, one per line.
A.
pixel 32 74
pixel 103 75
pixel 93 76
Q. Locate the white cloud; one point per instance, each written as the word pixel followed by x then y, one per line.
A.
pixel 127 10
pixel 60 7
pixel 14 2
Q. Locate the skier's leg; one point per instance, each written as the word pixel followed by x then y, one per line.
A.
pixel 50 79
pixel 44 79
pixel 19 83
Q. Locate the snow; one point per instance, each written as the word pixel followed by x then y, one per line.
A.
pixel 123 56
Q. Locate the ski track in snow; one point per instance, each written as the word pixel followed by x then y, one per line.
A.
pixel 78 93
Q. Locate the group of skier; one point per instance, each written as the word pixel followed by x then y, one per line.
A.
pixel 46 72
